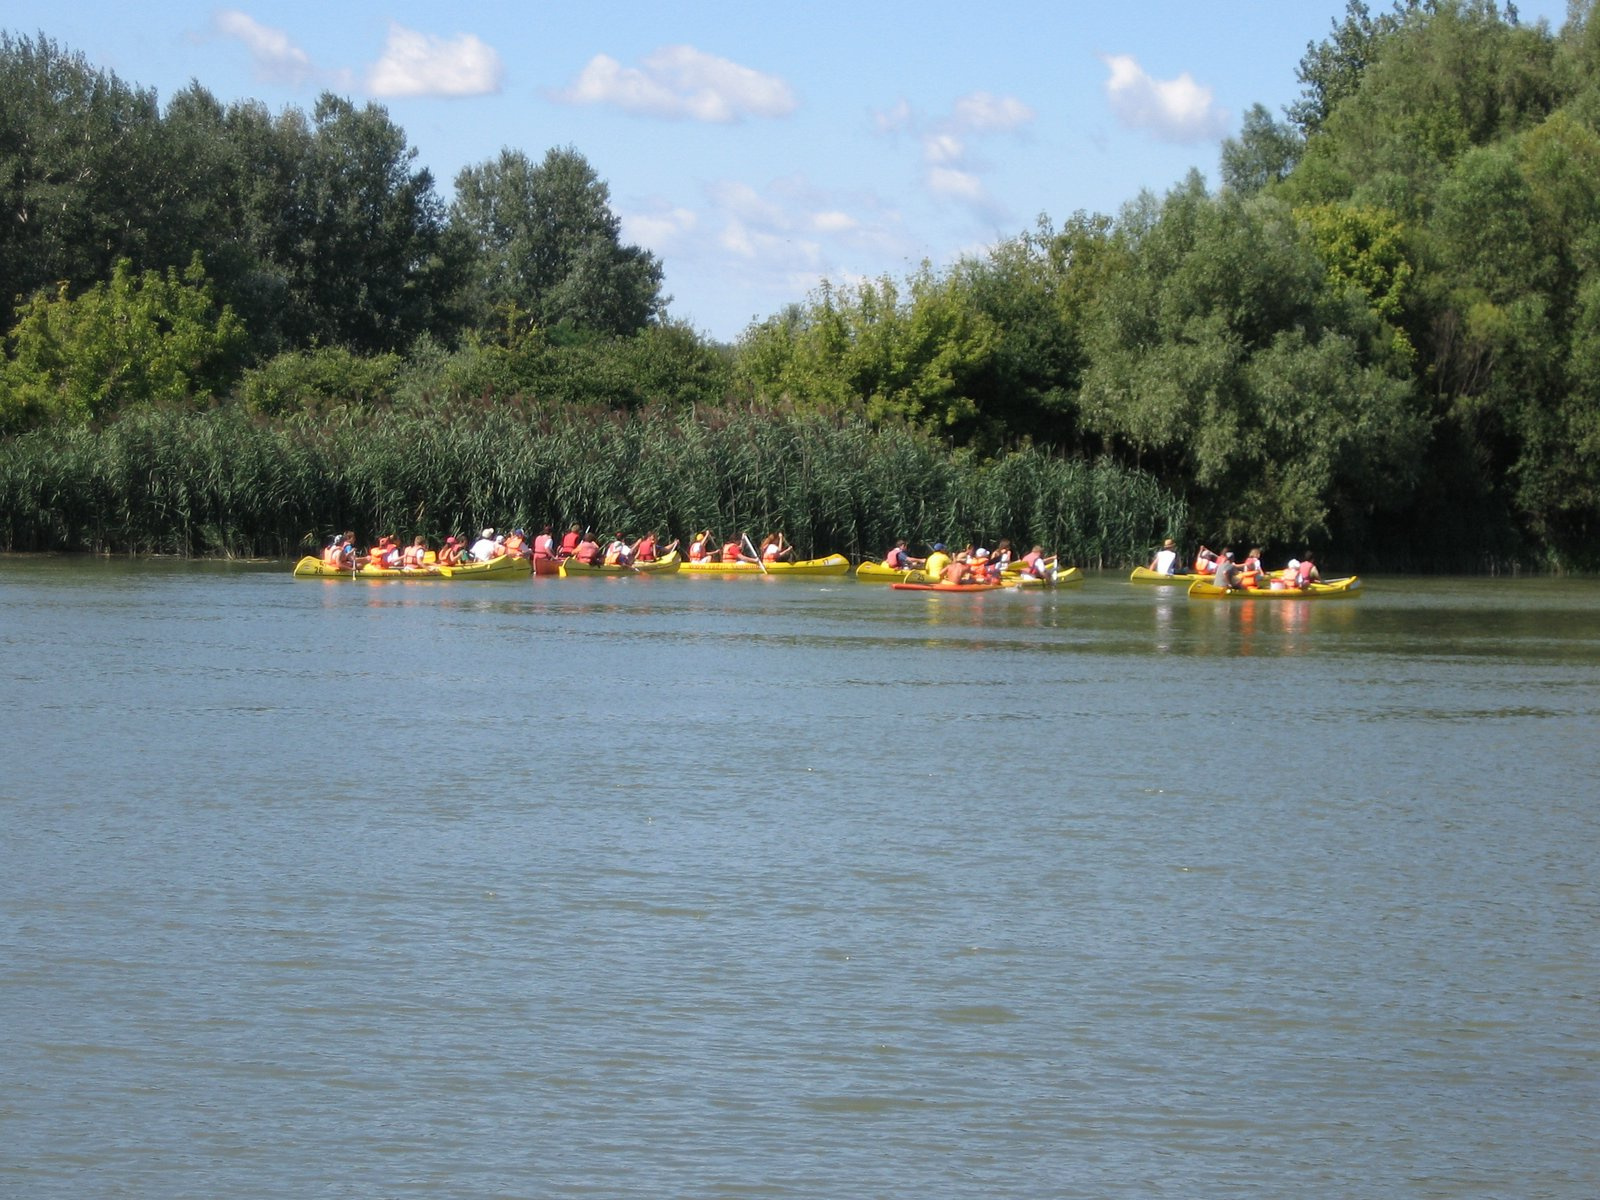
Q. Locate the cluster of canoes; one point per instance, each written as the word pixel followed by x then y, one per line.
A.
pixel 1012 576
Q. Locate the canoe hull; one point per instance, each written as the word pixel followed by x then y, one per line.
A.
pixel 1066 577
pixel 508 567
pixel 876 572
pixel 959 589
pixel 1331 589
pixel 668 564
pixel 833 564
pixel 1144 575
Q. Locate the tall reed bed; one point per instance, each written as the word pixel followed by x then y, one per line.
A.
pixel 224 483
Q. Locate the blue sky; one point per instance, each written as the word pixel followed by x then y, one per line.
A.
pixel 755 148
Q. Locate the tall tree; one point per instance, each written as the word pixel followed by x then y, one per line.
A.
pixel 76 145
pixel 365 228
pixel 542 239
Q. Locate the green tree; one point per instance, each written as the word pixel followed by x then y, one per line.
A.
pixel 911 360
pixel 137 339
pixel 543 238
pixel 363 232
pixel 1222 358
pixel 76 148
pixel 1264 152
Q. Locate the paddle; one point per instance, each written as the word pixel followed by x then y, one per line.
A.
pixel 753 553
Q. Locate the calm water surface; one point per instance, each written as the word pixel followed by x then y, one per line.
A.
pixel 776 888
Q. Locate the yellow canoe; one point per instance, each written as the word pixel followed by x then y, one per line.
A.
pixel 667 564
pixel 1350 585
pixel 1065 577
pixel 832 564
pixel 1146 575
pixel 507 567
pixel 873 571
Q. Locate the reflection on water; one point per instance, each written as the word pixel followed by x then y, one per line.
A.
pixel 807 888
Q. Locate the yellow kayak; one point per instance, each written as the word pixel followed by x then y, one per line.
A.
pixel 667 564
pixel 506 567
pixel 1146 575
pixel 875 572
pixel 1350 585
pixel 833 564
pixel 1062 578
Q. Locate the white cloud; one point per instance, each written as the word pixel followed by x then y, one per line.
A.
pixel 958 185
pixel 987 113
pixel 420 64
pixel 1174 110
pixel 680 82
pixel 953 170
pixel 942 148
pixel 834 222
pixel 275 57
pixel 660 228
pixel 893 120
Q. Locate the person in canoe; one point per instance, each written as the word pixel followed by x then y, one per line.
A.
pixel 981 567
pixel 587 551
pixel 646 549
pixel 1306 573
pixel 450 552
pixel 1251 573
pixel 933 566
pixel 569 542
pixel 1165 561
pixel 517 544
pixel 958 570
pixel 386 553
pixel 1205 561
pixel 1002 556
pixel 899 558
pixel 339 552
pixel 618 553
pixel 483 549
pixel 1225 572
pixel 1034 563
pixel 415 556
pixel 775 549
pixel 544 545
pixel 733 551
pixel 702 547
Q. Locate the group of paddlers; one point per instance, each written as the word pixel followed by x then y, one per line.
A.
pixel 388 554
pixel 969 565
pixel 1223 570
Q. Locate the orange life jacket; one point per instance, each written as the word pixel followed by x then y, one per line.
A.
pixel 730 552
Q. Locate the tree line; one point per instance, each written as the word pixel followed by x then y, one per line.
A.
pixel 1380 332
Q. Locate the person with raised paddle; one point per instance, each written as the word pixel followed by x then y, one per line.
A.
pixel 701 547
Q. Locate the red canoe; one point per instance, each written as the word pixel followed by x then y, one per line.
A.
pixel 949 587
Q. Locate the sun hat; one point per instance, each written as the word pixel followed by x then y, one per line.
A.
pixel 938 545
pixel 487 533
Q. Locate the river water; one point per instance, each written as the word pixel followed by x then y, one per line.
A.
pixel 777 888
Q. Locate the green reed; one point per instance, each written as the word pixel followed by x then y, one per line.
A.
pixel 227 483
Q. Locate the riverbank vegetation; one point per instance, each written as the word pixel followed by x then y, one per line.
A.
pixel 1379 334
